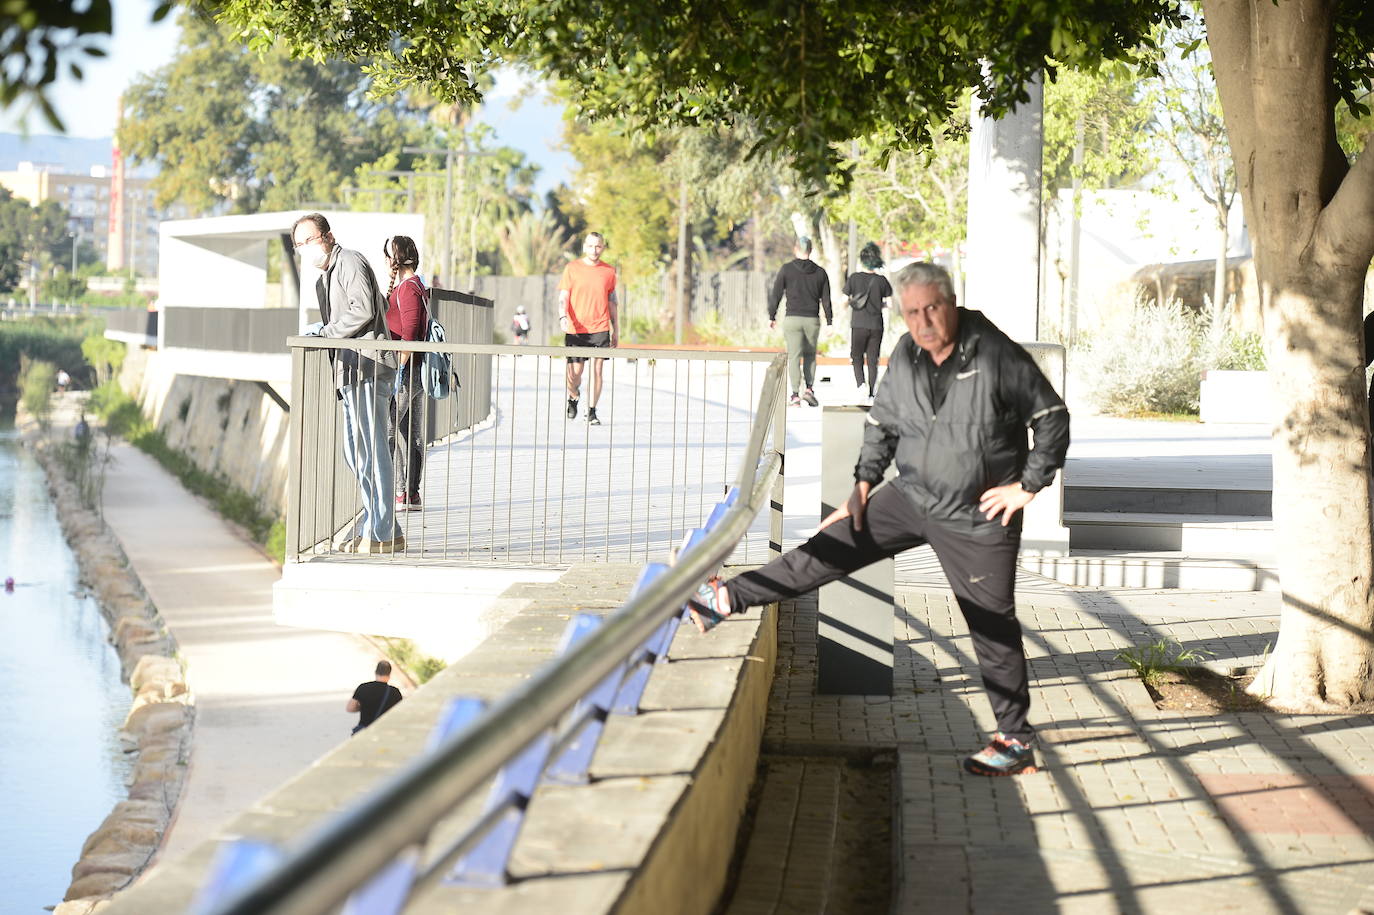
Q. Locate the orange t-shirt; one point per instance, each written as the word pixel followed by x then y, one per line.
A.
pixel 589 295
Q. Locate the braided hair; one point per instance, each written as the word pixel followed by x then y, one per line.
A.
pixel 400 251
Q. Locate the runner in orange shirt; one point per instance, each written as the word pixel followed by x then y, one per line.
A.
pixel 588 314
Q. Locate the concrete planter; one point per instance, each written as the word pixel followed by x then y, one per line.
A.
pixel 1235 397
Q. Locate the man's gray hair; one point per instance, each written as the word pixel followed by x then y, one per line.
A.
pixel 923 273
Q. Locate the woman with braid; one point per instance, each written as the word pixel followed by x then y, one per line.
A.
pixel 407 317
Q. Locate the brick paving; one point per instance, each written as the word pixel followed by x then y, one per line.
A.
pixel 1134 810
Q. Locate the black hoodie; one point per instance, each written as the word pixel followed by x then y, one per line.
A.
pixel 807 288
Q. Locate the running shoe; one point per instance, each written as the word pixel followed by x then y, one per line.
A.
pixel 710 605
pixel 408 504
pixel 794 401
pixel 810 397
pixel 572 408
pixel 592 418
pixel 1003 756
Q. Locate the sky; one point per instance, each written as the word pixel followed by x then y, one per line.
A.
pixel 88 106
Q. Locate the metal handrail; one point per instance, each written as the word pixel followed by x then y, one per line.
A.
pixel 324 868
pixel 422 346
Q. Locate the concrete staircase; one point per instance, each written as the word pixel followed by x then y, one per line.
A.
pixel 1144 536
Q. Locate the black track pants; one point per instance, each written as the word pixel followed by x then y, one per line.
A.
pixel 981 571
pixel 863 345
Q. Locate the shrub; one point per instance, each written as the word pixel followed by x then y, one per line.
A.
pixel 63 287
pixel 36 381
pixel 1150 359
pixel 104 355
pixel 51 339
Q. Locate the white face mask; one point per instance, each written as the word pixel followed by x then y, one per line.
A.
pixel 315 254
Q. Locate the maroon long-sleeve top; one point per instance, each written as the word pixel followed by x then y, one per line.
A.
pixel 405 313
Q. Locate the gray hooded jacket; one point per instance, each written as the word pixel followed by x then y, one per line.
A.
pixel 946 460
pixel 352 307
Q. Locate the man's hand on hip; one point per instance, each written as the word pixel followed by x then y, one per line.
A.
pixel 854 508
pixel 1005 501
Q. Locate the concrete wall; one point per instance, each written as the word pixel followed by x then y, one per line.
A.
pixel 230 428
pixel 653 832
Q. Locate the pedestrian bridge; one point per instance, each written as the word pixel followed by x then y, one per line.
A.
pixel 403 817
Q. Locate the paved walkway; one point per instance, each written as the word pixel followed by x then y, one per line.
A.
pixel 269 700
pixel 1135 810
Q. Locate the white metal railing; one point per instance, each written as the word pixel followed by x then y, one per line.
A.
pixel 378 848
pixel 505 478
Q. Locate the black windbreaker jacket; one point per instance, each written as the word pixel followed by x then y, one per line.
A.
pixel 947 460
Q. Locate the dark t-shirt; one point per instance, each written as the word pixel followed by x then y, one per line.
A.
pixel 866 292
pixel 370 702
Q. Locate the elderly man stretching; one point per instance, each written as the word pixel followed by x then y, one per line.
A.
pixel 953 410
pixel 353 307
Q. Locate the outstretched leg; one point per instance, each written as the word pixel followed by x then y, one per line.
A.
pixel 891 525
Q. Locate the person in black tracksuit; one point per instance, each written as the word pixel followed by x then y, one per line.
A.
pixel 807 288
pixel 868 292
pixel 952 410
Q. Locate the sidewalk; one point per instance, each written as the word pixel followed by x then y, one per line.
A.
pixel 269 700
pixel 1134 810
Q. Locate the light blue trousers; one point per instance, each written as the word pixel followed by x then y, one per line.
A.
pixel 365 452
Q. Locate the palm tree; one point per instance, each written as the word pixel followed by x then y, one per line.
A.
pixel 532 244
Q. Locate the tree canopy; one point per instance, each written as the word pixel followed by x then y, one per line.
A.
pixel 229 127
pixel 29 236
pixel 806 75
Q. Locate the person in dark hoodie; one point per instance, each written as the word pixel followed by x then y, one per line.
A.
pixel 952 410
pixel 808 290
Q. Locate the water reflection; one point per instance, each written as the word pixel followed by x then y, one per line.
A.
pixel 61 693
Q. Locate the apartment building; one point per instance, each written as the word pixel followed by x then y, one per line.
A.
pixel 86 199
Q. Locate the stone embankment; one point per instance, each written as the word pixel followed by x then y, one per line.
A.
pixel 158 726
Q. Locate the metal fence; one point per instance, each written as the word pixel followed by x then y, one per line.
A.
pixel 135 321
pixel 234 330
pixel 466 317
pixel 735 298
pixel 506 478
pixel 376 854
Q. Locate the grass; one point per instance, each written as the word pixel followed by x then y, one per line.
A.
pixel 1165 417
pixel 125 418
pixel 403 652
pixel 1151 662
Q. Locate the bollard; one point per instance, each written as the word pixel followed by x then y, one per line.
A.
pixel 854 626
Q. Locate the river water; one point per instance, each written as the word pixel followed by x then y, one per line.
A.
pixel 61 700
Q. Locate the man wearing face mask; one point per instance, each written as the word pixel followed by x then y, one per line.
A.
pixel 352 307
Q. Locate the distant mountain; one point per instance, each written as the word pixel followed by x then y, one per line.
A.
pixel 74 155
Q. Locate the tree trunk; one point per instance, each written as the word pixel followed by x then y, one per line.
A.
pixel 683 312
pixel 832 258
pixel 1219 274
pixel 756 259
pixel 1313 222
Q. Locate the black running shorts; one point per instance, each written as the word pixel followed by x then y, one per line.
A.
pixel 601 338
